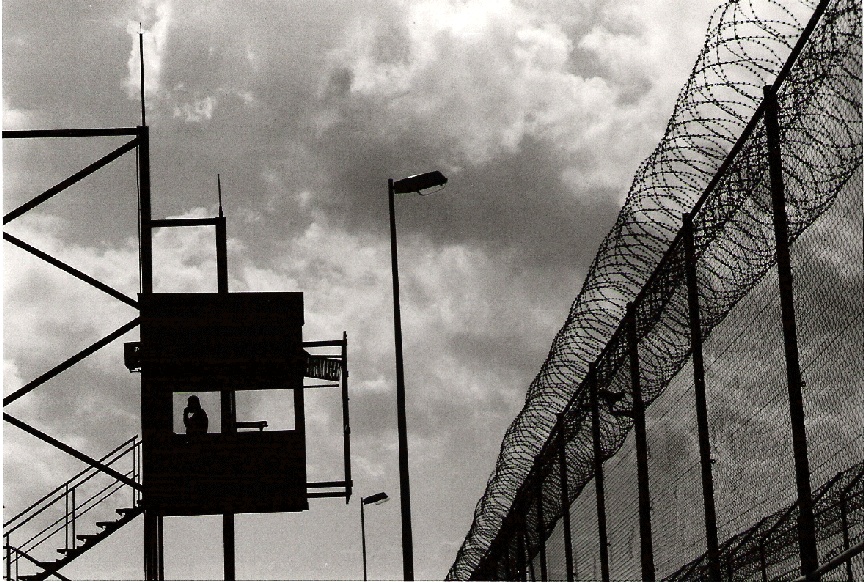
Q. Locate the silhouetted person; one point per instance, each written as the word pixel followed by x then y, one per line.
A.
pixel 194 417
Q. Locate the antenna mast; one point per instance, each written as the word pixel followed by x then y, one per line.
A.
pixel 219 188
pixel 141 51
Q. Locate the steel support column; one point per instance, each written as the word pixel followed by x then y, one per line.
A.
pixel 153 549
pixel 711 540
pixel 151 546
pixel 647 546
pixel 145 216
pixel 598 475
pixel 806 524
pixel 227 397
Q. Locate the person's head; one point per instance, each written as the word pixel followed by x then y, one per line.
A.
pixel 194 403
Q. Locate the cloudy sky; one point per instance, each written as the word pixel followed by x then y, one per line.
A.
pixel 539 114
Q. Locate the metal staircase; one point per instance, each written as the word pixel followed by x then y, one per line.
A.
pixel 59 512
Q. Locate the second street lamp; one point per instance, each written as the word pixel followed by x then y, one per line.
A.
pixel 404 186
pixel 376 499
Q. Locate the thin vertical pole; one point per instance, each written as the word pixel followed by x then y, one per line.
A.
pixel 541 531
pixel 363 536
pixel 404 487
pixel 227 401
pixel 806 522
pixel 598 475
pixel 134 474
pixel 66 528
pixel 74 539
pixel 647 546
pixel 346 422
pixel 711 539
pixel 565 497
pixel 8 557
pixel 141 54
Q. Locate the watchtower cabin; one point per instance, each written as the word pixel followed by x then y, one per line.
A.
pixel 226 343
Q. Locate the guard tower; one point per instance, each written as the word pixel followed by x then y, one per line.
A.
pixel 208 343
pixel 226 343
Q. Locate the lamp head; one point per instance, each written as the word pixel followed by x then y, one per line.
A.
pixel 376 499
pixel 419 182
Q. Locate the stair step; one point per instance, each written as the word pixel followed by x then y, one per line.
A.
pixel 124 510
pixel 87 538
pixel 107 524
pixel 69 551
pixel 46 565
pixel 40 576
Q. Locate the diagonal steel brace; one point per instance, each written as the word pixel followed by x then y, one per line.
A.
pixel 70 362
pixel 102 162
pixel 69 269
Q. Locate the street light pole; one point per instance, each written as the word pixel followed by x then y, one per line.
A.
pixel 363 537
pixel 404 186
pixel 404 487
pixel 376 499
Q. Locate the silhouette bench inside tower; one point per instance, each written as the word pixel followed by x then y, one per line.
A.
pixel 202 343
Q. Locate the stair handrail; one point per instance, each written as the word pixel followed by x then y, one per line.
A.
pixel 62 492
pixel 115 484
pixel 62 486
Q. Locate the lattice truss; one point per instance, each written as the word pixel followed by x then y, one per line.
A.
pixel 712 161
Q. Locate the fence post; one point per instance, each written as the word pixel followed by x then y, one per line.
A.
pixel 565 497
pixel 598 474
pixel 520 560
pixel 844 523
pixel 701 400
pixel 762 564
pixel 532 575
pixel 806 523
pixel 646 546
pixel 541 530
pixel 8 557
